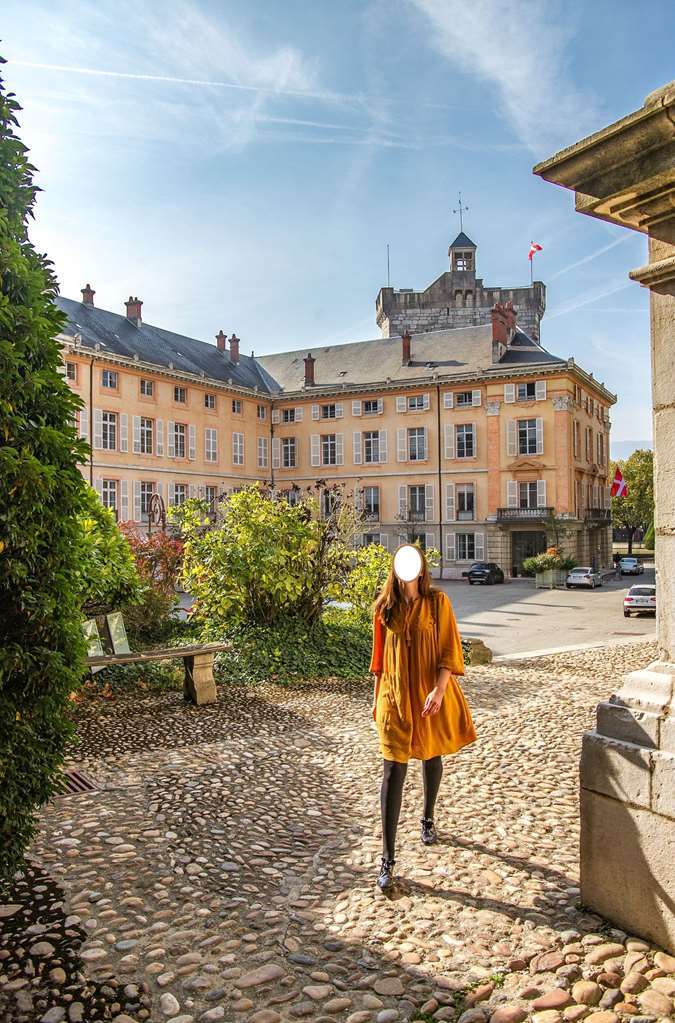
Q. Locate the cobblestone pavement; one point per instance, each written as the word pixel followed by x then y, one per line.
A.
pixel 224 870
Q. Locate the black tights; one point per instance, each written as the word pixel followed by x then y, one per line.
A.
pixel 391 796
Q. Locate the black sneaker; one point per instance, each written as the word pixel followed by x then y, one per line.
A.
pixel 386 879
pixel 429 836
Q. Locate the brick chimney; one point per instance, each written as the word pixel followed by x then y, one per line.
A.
pixel 511 316
pixel 405 348
pixel 134 310
pixel 500 329
pixel 220 341
pixel 309 369
pixel 234 348
pixel 88 295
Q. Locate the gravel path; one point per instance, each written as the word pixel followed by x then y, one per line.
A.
pixel 224 869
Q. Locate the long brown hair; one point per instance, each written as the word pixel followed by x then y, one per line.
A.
pixel 392 595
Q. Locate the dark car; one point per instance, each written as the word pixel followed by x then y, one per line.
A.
pixel 484 572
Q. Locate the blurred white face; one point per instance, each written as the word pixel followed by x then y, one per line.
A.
pixel 407 563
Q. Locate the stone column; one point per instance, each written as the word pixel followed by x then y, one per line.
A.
pixel 625 174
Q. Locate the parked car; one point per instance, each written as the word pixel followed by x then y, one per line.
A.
pixel 631 566
pixel 583 577
pixel 484 572
pixel 639 598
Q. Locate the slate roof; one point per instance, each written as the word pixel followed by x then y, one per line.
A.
pixel 463 240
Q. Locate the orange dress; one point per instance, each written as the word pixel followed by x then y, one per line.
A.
pixel 407 654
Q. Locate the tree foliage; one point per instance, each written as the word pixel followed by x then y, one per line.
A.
pixel 107 568
pixel 41 497
pixel 636 510
pixel 159 558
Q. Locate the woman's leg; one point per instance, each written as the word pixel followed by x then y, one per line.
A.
pixel 432 772
pixel 391 796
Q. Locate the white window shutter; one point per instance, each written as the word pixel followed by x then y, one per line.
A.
pixel 192 442
pixel 358 499
pixel 426 443
pixel 401 444
pixel 136 427
pixel 540 390
pixel 448 400
pixel 403 500
pixel 159 489
pixel 509 393
pixel 124 502
pixel 475 397
pixel 541 493
pixel 511 438
pixel 299 414
pixel 159 425
pixel 450 547
pixel 315 411
pixel 401 403
pixel 449 430
pixel 339 410
pixel 276 415
pixel 384 540
pixel 172 494
pixel 384 456
pixel 429 502
pixel 512 493
pixel 339 449
pixel 474 431
pixel 380 406
pixel 192 491
pixel 98 428
pixel 137 500
pixel 356 407
pixel 276 452
pixel 171 439
pixel 429 540
pixel 357 447
pixel 124 432
pixel 450 502
pixel 479 546
pixel 540 436
pixel 83 424
pixel 425 401
pixel 98 487
pixel 316 449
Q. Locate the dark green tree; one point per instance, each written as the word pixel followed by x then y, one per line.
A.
pixel 41 498
pixel 636 509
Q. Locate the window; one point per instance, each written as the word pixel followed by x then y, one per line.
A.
pixel 330 500
pixel 601 449
pixel 147 388
pixel 179 439
pixel 292 496
pixel 464 398
pixel 261 412
pixel 238 448
pixel 180 493
pixel 109 379
pixel 236 406
pixel 288 452
pixel 288 415
pixel 465 441
pixel 416 502
pixel 526 392
pixel 146 435
pixel 210 445
pixel 466 546
pixel 416 445
pixel 262 452
pixel 109 495
pixel 147 490
pixel 71 371
pixel 371 446
pixel 576 438
pixel 328 411
pixel 329 449
pixel 589 444
pixel 527 436
pixel 109 430
pixel 371 502
pixel 464 497
pixel 416 401
pixel 527 495
pixel 180 395
pixel 209 401
pixel 210 495
pixel 371 407
pixel 369 538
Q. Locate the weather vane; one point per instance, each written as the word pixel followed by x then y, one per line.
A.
pixel 461 209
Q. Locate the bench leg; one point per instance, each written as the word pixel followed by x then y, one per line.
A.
pixel 199 686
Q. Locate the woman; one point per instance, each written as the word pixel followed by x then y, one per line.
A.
pixel 418 705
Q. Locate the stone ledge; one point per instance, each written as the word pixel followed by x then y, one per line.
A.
pixel 620 770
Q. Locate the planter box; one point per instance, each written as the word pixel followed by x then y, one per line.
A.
pixel 551 578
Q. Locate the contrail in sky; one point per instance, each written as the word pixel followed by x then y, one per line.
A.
pixel 590 256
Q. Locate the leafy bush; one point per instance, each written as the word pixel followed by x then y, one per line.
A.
pixel 42 496
pixel 108 576
pixel 368 571
pixel 648 540
pixel 551 559
pixel 159 559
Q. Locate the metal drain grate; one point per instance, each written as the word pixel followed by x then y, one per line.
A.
pixel 76 783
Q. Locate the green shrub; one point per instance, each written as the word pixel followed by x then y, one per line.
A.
pixel 551 559
pixel 42 495
pixel 106 565
pixel 369 569
pixel 159 559
pixel 648 541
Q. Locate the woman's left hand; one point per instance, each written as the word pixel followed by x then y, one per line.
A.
pixel 433 702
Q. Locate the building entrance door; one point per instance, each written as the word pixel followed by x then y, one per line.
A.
pixel 525 544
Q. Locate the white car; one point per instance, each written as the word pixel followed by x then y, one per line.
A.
pixel 583 577
pixel 639 598
pixel 631 566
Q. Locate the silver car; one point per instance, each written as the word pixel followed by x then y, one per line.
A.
pixel 631 566
pixel 587 577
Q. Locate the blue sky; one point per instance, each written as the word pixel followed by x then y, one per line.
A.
pixel 244 165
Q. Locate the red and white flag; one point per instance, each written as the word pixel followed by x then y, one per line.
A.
pixel 534 247
pixel 619 487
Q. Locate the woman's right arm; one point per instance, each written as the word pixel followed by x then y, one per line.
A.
pixel 377 655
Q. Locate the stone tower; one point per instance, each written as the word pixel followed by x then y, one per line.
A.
pixel 457 299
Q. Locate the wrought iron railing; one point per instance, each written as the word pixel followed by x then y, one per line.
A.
pixel 522 514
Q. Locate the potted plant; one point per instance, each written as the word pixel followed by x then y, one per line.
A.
pixel 550 568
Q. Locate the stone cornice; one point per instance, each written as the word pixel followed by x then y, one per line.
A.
pixel 655 274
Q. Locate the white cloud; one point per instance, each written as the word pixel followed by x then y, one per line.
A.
pixel 519 47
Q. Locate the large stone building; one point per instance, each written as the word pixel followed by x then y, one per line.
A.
pixel 473 438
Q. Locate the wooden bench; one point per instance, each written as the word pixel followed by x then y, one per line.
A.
pixel 199 686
